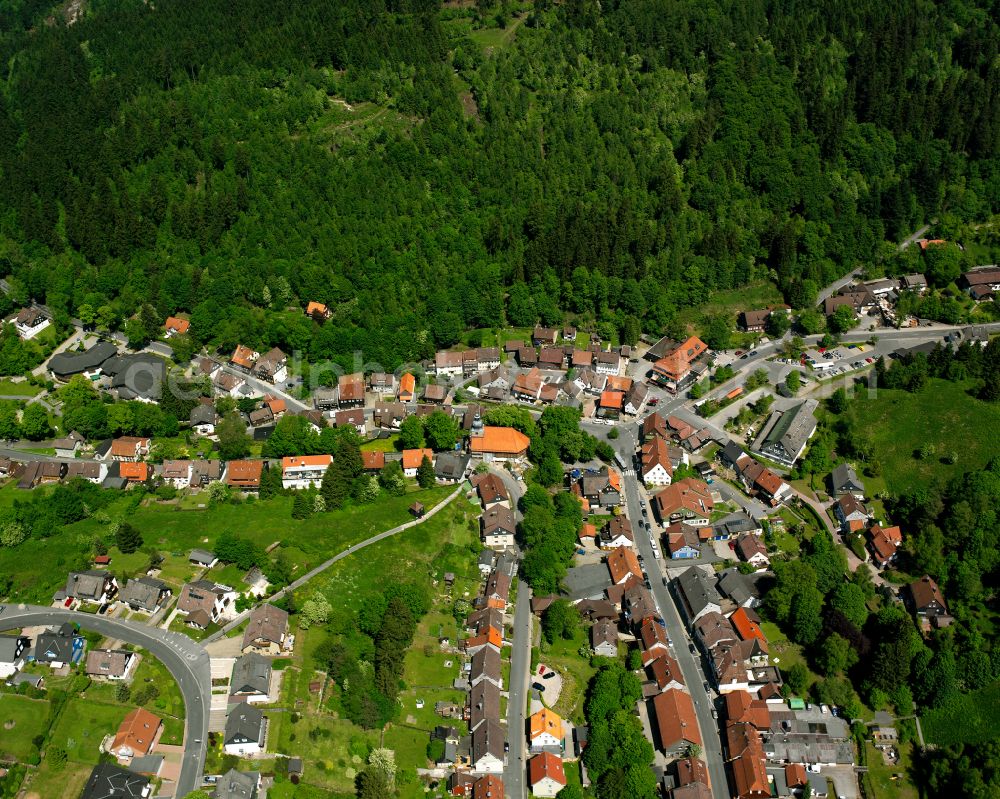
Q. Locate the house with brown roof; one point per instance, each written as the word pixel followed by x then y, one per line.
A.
pixel 604 638
pixel 29 322
pixel 486 666
pixel 351 391
pixel 382 382
pixel 546 775
pixel 713 629
pixel 688 500
pixel 682 541
pixel 209 598
pixel 751 549
pixel 544 335
pixel 267 631
pixel 129 448
pixel 617 532
pixel 389 416
pixel 528 385
pixel 653 636
pixel 744 708
pixel 435 393
pixel 754 321
pixel 674 370
pixel 551 358
pixel 636 601
pixel 623 563
pixel 929 604
pixel 111 664
pixel 272 366
pixel 492 490
pixel 497 590
pixel 657 468
pixel 137 734
pixel 676 723
pixel 488 787
pixel 665 671
pixel 692 780
pixel 244 474
pixel 747 762
pixel 850 509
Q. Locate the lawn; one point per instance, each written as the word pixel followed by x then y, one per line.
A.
pixel 8 388
pixel 576 672
pixel 971 718
pixel 880 775
pixel 900 423
pixel 381 444
pixel 57 783
pixel 83 725
pixel 169 701
pixel 28 718
pixel 756 295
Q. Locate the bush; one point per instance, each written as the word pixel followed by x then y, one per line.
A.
pixel 435 749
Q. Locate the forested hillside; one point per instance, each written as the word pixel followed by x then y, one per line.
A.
pixel 617 160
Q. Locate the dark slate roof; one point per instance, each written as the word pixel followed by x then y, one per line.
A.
pixel 251 673
pixel 138 376
pixel 245 722
pixel 237 785
pixel 108 781
pixel 64 364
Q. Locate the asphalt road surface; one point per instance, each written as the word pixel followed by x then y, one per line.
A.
pixel 185 659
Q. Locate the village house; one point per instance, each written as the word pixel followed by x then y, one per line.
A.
pixel 211 599
pixel 145 594
pixel 57 646
pixel 617 532
pixel 844 480
pixel 318 311
pixel 674 371
pixel 69 446
pixel 245 731
pixel 527 386
pixel 448 364
pixel 697 593
pixel 412 458
pixel 676 722
pixel 227 384
pixel 786 433
pixel 13 654
pixel 244 474
pixel 203 419
pixel 241 784
pixel 656 467
pixel 602 490
pixel 137 735
pixel 851 513
pixel 546 775
pixel 604 638
pixel 435 393
pixel 884 543
pixel 746 760
pixel 929 604
pixel 111 664
pixel 175 326
pixel 272 366
pixel 301 472
pixel 389 416
pixel 488 748
pixel 498 444
pixel 754 321
pixel 664 670
pixel 129 449
pixel 407 388
pixel 350 391
pixel 496 378
pixel 382 382
pixel 267 631
pixel 545 731
pixel 682 541
pixel 607 362
pixel 982 282
pixel 95 586
pixel 635 398
pixel 544 335
pixel 497 527
pixel 751 549
pixel 623 564
pixel 688 500
pixel 251 678
pixel 243 358
pixel 29 322
pixel 354 417
pixel 202 558
pixel 491 489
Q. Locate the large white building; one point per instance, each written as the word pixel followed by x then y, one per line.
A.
pixel 304 471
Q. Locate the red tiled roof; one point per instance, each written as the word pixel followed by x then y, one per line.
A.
pixel 412 458
pixel 623 562
pixel 134 472
pixel 545 765
pixel 177 325
pixel 675 718
pixel 500 440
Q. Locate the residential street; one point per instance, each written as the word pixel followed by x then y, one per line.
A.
pixel 186 660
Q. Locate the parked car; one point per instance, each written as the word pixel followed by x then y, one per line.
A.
pixel 705 686
pixel 548 675
pixel 538 686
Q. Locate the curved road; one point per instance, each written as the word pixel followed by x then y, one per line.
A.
pixel 185 659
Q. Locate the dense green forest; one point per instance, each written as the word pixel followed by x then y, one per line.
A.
pixel 615 161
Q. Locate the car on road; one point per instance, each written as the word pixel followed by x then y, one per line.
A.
pixel 692 647
pixel 664 579
pixel 649 585
pixel 506 746
pixel 705 686
pixel 715 713
pixel 654 401
pixel 744 356
pixel 753 353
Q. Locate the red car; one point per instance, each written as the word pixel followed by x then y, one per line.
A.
pixel 739 352
pixel 654 401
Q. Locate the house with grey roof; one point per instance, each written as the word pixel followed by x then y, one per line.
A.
pixel 786 433
pixel 58 646
pixel 13 653
pixel 696 590
pixel 91 586
pixel 202 557
pixel 844 480
pixel 245 731
pixel 266 630
pixel 145 594
pixel 111 664
pixel 450 467
pixel 738 588
pixel 237 785
pixel 488 748
pixel 251 678
pixel 108 781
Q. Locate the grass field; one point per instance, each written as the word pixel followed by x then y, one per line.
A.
pixel 784 654
pixel 899 423
pixel 971 718
pixel 26 719
pixel 756 295
pixel 62 783
pixel 8 388
pixel 880 775
pixel 381 444
pixel 576 671
pixel 83 725
pixel 39 566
